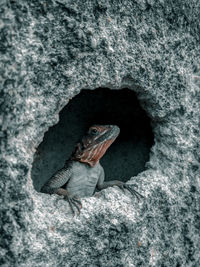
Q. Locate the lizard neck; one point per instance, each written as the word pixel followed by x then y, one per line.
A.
pixel 93 154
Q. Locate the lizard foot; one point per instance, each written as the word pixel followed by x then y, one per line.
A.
pixel 124 186
pixel 73 201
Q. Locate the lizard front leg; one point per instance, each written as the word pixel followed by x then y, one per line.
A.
pixel 103 185
pixel 57 181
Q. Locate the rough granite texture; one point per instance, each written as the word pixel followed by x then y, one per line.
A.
pixel 50 50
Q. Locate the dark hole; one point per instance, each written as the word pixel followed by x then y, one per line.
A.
pixel 127 155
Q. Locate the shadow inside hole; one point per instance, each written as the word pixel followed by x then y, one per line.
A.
pixel 127 155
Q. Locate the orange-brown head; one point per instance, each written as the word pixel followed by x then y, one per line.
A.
pixel 95 143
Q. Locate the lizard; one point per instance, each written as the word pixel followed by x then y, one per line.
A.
pixel 82 173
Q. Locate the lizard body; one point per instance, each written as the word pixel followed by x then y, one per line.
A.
pixel 83 173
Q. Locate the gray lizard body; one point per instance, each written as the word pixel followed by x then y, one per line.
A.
pixel 82 173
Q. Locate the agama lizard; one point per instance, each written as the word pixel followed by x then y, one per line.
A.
pixel 82 172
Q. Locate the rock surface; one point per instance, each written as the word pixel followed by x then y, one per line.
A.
pixel 50 50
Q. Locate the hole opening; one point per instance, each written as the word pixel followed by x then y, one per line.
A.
pixel 125 158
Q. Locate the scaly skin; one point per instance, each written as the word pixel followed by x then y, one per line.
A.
pixel 82 173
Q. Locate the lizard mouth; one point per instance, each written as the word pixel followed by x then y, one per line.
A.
pixel 111 133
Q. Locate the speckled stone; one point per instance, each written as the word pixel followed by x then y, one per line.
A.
pixel 50 50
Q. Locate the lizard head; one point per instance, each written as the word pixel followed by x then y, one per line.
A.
pixel 94 144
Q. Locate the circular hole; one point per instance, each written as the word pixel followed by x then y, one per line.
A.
pixel 126 157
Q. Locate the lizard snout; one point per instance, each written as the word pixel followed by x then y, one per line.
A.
pixel 114 131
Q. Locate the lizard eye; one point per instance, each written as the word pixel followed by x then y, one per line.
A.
pixel 93 131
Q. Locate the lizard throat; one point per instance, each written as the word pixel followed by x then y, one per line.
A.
pixel 92 155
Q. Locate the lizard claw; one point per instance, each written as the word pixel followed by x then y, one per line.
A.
pixel 132 191
pixel 74 201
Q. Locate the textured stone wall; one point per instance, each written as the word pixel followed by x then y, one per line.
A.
pixel 50 50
